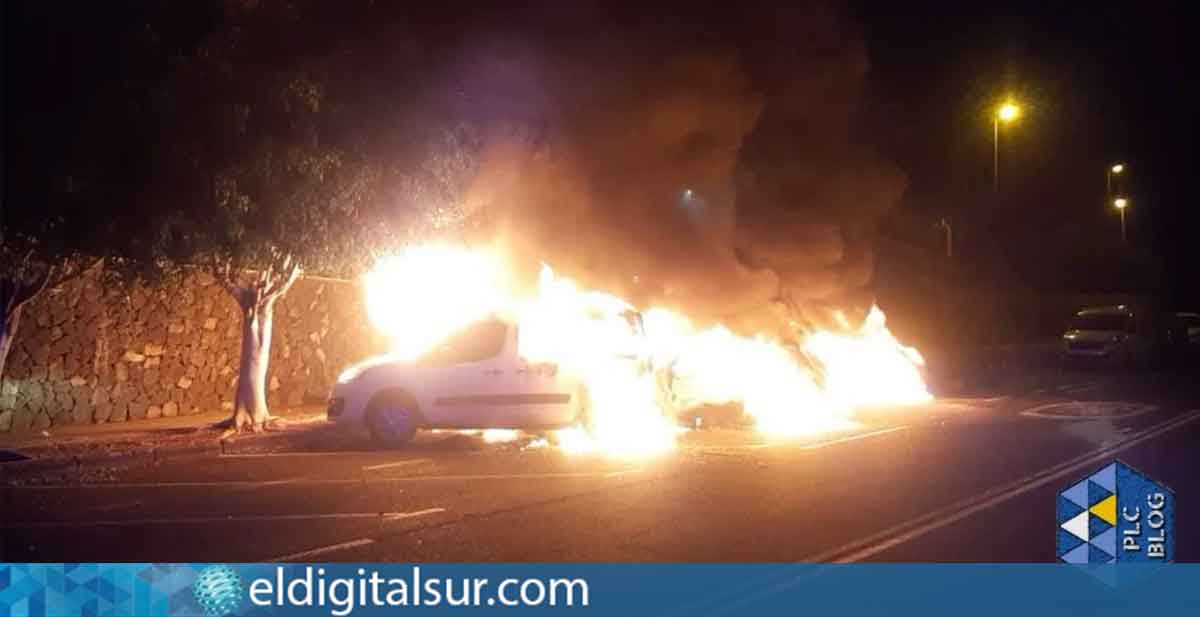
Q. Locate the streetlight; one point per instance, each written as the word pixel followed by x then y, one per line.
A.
pixel 1006 112
pixel 1109 173
pixel 1120 204
pixel 945 226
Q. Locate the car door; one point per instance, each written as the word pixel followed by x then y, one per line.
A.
pixel 474 372
pixel 543 395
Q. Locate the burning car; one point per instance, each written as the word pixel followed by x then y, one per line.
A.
pixel 479 378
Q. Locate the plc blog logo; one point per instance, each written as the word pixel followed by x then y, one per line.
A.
pixel 1116 515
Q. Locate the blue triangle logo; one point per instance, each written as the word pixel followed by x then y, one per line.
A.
pixel 1067 542
pixel 1067 509
pixel 1079 555
pixel 1107 541
pixel 1078 494
pixel 1097 526
pixel 1106 478
pixel 1096 493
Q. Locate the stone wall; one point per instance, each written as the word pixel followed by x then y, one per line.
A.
pixel 90 352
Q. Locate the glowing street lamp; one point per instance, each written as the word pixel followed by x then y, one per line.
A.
pixel 1113 170
pixel 1006 112
pixel 1120 204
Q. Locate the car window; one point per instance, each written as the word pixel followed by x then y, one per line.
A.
pixel 475 343
pixel 1102 321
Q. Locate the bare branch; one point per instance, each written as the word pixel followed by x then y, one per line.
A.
pixel 285 283
pixel 65 274
pixel 222 272
pixel 27 290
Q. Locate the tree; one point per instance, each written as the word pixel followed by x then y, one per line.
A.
pixel 253 181
pixel 25 274
pixel 255 141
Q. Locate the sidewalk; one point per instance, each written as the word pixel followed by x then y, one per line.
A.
pixel 94 451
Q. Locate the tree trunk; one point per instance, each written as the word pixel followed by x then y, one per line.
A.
pixel 257 301
pixel 250 403
pixel 8 331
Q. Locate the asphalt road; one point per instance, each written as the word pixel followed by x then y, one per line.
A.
pixel 969 479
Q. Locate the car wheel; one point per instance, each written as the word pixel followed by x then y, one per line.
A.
pixel 393 420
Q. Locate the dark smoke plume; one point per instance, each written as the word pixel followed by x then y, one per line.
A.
pixel 712 163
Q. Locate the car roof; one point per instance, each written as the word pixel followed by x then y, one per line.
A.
pixel 1119 309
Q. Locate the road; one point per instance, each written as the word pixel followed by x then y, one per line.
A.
pixel 969 479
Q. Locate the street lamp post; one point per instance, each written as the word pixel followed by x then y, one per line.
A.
pixel 1007 112
pixel 1109 173
pixel 945 225
pixel 1120 204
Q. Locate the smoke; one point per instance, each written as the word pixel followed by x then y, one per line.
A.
pixel 712 163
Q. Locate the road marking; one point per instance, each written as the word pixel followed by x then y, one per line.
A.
pixel 321 481
pixel 1119 409
pixel 849 438
pixel 782 441
pixel 922 525
pixel 285 454
pixel 403 515
pixel 341 546
pixel 304 555
pixel 549 475
pixel 412 461
pixel 229 518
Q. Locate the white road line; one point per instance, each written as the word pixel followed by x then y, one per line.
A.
pixel 332 548
pixel 515 476
pixel 412 461
pixel 304 555
pixel 395 516
pixel 720 450
pixel 849 438
pixel 909 530
pixel 319 481
pixel 229 518
pixel 1039 411
pixel 287 454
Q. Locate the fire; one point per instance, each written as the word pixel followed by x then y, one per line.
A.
pixel 869 367
pixel 426 293
pixel 639 370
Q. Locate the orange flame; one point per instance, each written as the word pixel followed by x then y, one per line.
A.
pixel 426 293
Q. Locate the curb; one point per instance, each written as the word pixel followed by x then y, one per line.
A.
pixel 72 467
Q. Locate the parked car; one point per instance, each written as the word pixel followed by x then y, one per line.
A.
pixel 475 379
pixel 1108 334
pixel 1189 327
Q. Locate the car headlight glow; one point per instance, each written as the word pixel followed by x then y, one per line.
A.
pixel 349 374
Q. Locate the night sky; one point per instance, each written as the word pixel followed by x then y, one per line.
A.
pixel 1098 82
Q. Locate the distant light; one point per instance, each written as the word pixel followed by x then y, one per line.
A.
pixel 1120 203
pixel 687 193
pixel 1008 112
pixel 1118 168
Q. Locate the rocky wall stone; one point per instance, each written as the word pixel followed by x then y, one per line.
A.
pixel 90 352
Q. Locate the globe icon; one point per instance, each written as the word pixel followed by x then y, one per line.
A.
pixel 218 590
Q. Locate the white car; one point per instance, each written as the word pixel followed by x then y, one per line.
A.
pixel 475 379
pixel 1108 333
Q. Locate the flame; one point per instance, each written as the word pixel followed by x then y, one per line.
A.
pixel 426 293
pixel 637 376
pixel 869 367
